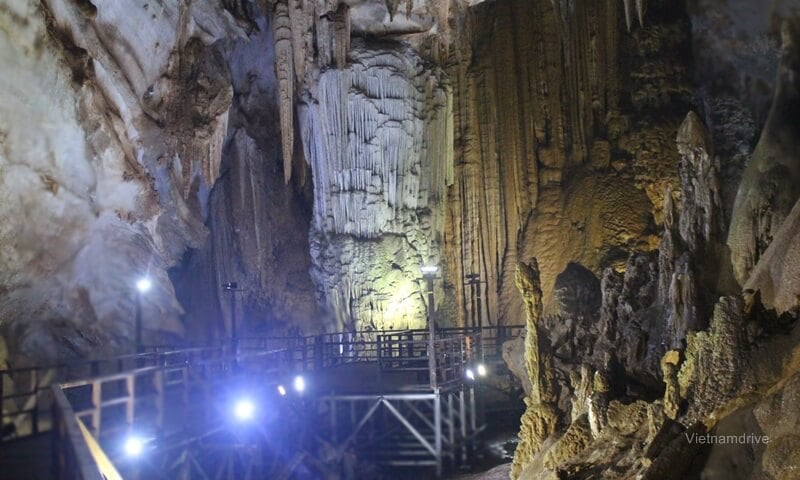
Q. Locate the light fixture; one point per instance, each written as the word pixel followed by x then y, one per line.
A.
pixel 481 368
pixel 299 384
pixel 144 284
pixel 281 390
pixel 244 409
pixel 470 374
pixel 134 446
pixel 429 269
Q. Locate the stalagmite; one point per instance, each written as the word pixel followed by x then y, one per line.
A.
pixel 541 415
pixel 284 65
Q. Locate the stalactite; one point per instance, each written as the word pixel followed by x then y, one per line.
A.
pixel 443 26
pixel 284 61
pixel 641 7
pixel 392 6
pixel 341 34
pixel 300 18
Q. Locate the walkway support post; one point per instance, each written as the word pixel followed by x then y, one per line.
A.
pixel 437 421
pixel 429 273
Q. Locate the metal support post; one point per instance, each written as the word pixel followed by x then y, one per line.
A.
pixel 138 325
pixel 452 427
pixel 431 332
pixel 437 421
pixel 463 421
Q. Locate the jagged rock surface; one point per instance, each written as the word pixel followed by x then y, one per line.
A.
pixel 691 257
pixel 541 416
pixel 730 372
pixel 111 128
pixel 716 367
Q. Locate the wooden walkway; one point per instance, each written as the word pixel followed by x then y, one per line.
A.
pixel 370 395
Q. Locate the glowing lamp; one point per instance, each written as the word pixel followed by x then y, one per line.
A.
pixel 299 384
pixel 144 284
pixel 244 410
pixel 134 446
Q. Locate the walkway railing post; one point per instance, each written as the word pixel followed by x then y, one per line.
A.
pixel 304 354
pixel 35 413
pixel 437 422
pixel 380 352
pixel 319 352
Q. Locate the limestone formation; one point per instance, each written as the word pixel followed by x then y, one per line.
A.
pixel 776 277
pixel 541 417
pixel 678 328
pixel 542 110
pixel 714 370
pixel 112 122
pixel 779 421
pixel 285 72
pixel 771 184
pixel 672 398
pixel 376 137
pixel 691 256
pixel 319 152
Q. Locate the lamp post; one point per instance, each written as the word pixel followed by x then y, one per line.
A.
pixel 142 286
pixel 429 274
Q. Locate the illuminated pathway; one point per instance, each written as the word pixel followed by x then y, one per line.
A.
pixel 292 407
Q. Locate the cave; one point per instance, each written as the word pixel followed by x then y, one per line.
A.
pixel 361 239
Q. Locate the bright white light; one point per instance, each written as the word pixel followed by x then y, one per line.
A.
pixel 481 370
pixel 429 269
pixel 144 285
pixel 470 374
pixel 299 384
pixel 244 409
pixel 282 390
pixel 134 446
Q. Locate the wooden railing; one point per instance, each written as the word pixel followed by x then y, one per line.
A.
pixel 27 409
pixel 73 458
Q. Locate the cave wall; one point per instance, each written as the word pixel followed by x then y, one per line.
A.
pixel 258 223
pixel 700 336
pixel 109 148
pixel 562 128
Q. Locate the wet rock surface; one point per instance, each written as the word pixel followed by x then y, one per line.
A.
pixel 621 177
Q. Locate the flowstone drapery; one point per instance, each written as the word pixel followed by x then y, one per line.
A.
pixel 377 135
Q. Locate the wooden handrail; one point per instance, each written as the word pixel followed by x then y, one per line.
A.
pixel 298 353
pixel 73 458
